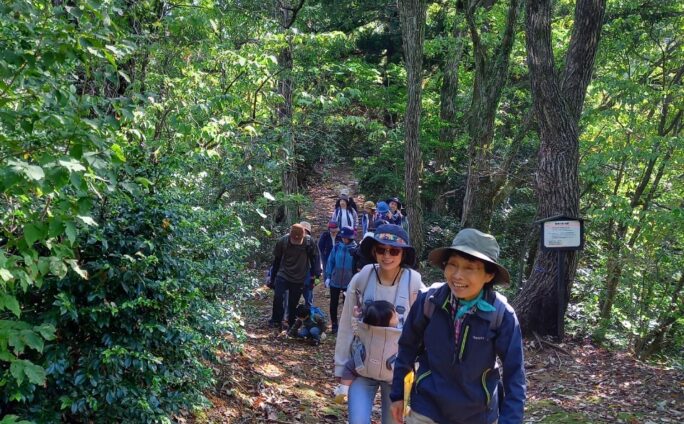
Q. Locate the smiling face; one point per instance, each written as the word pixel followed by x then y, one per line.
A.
pixel 343 204
pixel 386 261
pixel 393 206
pixel 466 277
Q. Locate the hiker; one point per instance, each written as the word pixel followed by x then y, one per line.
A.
pixel 344 194
pixel 395 209
pixel 383 212
pixel 339 271
pixel 367 217
pixel 328 241
pixel 344 215
pixel 380 313
pixel 309 282
pixel 455 332
pixel 295 256
pixel 310 324
pixel 393 280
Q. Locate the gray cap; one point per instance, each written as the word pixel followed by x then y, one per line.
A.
pixel 475 243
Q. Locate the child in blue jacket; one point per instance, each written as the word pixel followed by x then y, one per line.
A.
pixel 455 331
pixel 339 270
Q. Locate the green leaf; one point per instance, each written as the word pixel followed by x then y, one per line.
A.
pixel 70 230
pixel 17 371
pixel 118 152
pixel 33 172
pixel 21 368
pixel 33 340
pixel 13 419
pixel 9 302
pixel 72 165
pixel 46 331
pixel 32 233
pixel 6 275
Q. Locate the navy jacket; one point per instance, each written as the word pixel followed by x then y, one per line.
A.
pixel 458 382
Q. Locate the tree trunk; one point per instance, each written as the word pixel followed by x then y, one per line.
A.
pixel 490 78
pixel 557 110
pixel 412 16
pixel 449 129
pixel 287 14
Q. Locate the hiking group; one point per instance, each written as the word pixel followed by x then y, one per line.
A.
pixel 448 353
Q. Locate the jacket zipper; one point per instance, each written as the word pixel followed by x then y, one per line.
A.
pixel 484 385
pixel 464 340
pixel 421 377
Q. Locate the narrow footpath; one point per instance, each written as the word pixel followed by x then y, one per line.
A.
pixel 276 379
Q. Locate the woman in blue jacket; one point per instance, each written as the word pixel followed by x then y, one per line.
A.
pixel 339 270
pixel 455 331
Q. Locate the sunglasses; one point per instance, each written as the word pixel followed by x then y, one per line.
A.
pixel 393 251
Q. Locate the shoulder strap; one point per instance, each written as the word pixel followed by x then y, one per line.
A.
pixel 500 302
pixel 401 299
pixel 429 307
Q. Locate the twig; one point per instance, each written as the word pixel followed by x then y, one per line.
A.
pixel 553 345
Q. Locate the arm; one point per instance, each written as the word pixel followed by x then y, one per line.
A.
pixel 410 344
pixel 330 266
pixel 316 265
pixel 345 333
pixel 509 348
pixel 277 254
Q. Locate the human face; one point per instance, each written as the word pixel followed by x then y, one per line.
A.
pixel 334 231
pixel 386 261
pixel 343 204
pixel 393 206
pixel 465 277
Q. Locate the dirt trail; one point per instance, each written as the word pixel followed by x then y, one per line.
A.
pixel 280 380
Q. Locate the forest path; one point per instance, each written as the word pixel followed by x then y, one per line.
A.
pixel 276 379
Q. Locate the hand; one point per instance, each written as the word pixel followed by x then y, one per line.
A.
pixel 327 282
pixel 357 312
pixel 397 410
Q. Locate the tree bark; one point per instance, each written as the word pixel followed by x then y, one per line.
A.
pixel 449 129
pixel 490 78
pixel 557 107
pixel 287 14
pixel 412 16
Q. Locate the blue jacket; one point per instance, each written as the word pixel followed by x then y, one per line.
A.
pixel 325 246
pixel 339 268
pixel 461 385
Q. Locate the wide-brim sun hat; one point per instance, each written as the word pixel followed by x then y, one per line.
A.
pixel 396 200
pixel 307 226
pixel 474 243
pixel 390 235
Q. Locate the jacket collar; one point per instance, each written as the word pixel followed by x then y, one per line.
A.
pixel 441 300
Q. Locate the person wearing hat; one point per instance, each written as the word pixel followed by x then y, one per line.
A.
pixel 339 270
pixel 328 240
pixel 395 210
pixel 367 217
pixel 455 332
pixel 389 278
pixel 295 256
pixel 344 215
pixel 383 212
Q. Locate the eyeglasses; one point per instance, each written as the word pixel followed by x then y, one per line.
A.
pixel 393 251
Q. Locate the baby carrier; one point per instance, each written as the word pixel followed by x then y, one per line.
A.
pixel 374 349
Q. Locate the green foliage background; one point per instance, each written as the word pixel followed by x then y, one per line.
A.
pixel 140 168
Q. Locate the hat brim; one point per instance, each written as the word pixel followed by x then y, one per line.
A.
pixel 368 243
pixel 436 258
